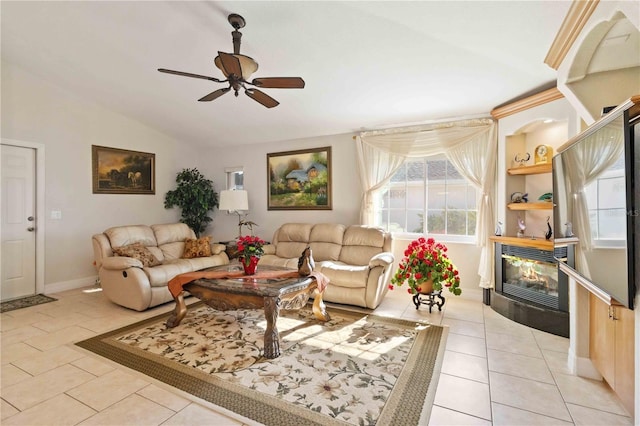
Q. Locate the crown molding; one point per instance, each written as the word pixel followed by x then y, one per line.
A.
pixel 577 16
pixel 527 103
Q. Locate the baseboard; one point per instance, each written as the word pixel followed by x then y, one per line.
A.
pixel 69 285
pixel 572 362
pixel 585 368
pixel 475 294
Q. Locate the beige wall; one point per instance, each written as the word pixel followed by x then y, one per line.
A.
pixel 346 191
pixel 35 112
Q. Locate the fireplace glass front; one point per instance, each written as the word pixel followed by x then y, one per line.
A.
pixel 531 279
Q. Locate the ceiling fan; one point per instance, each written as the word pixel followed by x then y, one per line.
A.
pixel 238 68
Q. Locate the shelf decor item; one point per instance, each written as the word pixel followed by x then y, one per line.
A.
pixel 549 232
pixel 522 158
pixel 250 249
pixel 521 227
pixel 519 197
pixel 546 197
pixel 426 262
pixel 543 154
pixel 568 232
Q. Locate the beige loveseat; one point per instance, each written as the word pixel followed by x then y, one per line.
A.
pixel 356 259
pixel 128 281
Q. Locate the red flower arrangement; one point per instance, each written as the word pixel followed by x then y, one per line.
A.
pixel 248 247
pixel 425 260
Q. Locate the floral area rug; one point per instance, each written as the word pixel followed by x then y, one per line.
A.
pixel 25 302
pixel 354 369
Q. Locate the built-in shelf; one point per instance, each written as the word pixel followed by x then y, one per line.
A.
pixel 530 170
pixel 539 243
pixel 530 206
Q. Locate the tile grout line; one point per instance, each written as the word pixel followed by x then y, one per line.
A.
pixel 486 352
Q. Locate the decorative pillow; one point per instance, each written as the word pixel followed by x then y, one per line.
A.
pixel 138 251
pixel 197 248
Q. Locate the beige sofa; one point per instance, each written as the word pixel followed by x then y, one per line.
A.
pixel 357 259
pixel 128 282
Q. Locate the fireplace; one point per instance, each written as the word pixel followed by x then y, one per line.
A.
pixel 532 274
pixel 529 287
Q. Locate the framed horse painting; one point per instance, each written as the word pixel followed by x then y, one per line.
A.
pixel 121 171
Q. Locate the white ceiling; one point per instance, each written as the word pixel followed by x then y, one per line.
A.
pixel 367 65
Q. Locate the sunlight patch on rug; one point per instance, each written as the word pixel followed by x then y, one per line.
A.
pixel 353 369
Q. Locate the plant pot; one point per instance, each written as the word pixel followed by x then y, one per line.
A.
pixel 426 287
pixel 250 266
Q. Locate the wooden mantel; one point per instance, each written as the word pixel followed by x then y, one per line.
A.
pixel 536 242
pixel 539 243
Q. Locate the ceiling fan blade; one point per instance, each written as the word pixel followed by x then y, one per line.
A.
pixel 231 64
pixel 214 95
pixel 279 82
pixel 188 74
pixel 262 98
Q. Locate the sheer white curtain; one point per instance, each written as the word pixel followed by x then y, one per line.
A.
pixel 470 145
pixel 376 168
pixel 476 161
pixel 584 162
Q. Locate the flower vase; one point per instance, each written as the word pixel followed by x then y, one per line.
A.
pixel 250 267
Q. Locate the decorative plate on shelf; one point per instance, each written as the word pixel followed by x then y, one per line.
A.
pixel 543 154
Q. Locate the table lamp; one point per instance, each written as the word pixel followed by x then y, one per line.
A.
pixel 236 201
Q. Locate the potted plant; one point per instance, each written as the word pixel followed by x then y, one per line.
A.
pixel 195 196
pixel 250 249
pixel 426 268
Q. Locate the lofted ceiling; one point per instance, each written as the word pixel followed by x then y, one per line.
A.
pixel 367 65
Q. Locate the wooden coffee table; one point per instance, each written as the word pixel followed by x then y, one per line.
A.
pixel 270 294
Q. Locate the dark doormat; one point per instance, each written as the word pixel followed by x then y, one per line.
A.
pixel 25 302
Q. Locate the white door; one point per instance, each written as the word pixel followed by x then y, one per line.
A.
pixel 18 222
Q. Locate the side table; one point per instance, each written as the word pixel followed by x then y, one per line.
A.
pixel 231 249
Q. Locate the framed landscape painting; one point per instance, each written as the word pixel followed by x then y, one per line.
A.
pixel 299 180
pixel 120 171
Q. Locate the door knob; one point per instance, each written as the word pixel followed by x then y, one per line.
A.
pixel 31 229
pixel 30 218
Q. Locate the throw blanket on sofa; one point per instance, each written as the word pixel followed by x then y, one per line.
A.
pixel 175 284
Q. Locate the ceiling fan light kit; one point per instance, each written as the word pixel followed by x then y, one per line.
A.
pixel 247 64
pixel 238 69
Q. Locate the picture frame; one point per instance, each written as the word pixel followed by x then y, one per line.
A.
pixel 122 171
pixel 299 180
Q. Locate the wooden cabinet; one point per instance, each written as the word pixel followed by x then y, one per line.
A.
pixel 611 347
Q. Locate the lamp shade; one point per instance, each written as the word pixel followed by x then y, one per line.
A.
pixel 247 65
pixel 234 200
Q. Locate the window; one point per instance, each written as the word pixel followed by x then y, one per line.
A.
pixel 429 196
pixel 607 205
pixel 235 178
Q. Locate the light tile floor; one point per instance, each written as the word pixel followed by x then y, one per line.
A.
pixel 495 371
